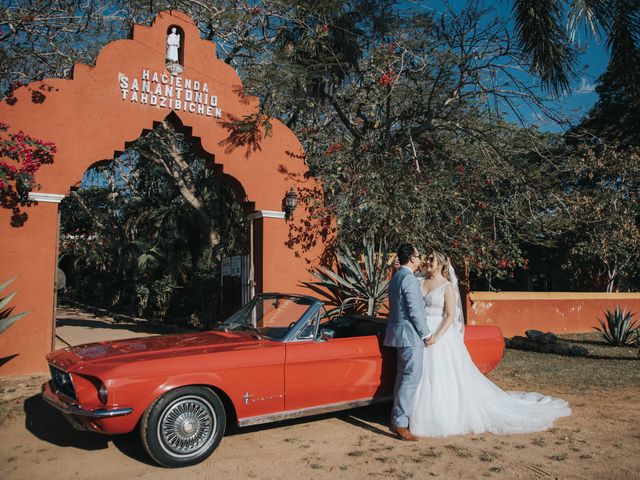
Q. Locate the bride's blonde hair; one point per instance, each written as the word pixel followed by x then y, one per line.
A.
pixel 444 263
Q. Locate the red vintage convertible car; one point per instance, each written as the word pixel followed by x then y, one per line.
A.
pixel 277 358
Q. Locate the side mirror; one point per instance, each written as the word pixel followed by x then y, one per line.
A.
pixel 326 334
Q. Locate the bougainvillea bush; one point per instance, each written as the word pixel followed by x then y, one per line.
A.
pixel 21 156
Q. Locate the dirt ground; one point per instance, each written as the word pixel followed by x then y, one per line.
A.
pixel 601 440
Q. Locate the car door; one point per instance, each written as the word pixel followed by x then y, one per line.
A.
pixel 325 372
pixel 254 379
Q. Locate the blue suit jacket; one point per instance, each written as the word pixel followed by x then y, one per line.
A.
pixel 407 323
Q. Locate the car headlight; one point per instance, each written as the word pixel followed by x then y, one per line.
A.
pixel 102 393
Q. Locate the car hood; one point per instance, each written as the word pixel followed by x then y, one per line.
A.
pixel 135 349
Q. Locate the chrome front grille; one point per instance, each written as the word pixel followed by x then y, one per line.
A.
pixel 62 383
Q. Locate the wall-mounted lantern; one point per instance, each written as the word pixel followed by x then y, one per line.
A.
pixel 290 203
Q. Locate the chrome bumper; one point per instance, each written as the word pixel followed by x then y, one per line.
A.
pixel 52 399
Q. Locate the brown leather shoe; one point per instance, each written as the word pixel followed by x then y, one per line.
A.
pixel 404 434
pixel 393 428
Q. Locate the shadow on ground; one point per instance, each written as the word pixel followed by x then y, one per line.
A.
pixel 374 418
pixel 600 349
pixel 70 319
pixel 88 323
pixel 49 425
pixel 630 357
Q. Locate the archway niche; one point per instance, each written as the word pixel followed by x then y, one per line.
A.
pixel 101 110
pixel 147 233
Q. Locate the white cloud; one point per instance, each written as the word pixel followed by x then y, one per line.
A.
pixel 585 87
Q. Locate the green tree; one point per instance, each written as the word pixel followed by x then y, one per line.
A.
pixel 603 193
pixel 409 138
pixel 134 235
pixel 401 113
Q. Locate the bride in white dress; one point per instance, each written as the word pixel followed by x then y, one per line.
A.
pixel 454 397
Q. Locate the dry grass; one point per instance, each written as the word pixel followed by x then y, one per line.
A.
pixel 598 348
pixel 606 367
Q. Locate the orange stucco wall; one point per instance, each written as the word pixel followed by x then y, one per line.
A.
pixel 278 272
pixel 88 120
pixel 516 312
pixel 29 254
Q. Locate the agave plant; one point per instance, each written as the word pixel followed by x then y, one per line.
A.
pixel 359 284
pixel 619 327
pixel 6 317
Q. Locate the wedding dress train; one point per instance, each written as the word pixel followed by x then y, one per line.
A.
pixel 454 397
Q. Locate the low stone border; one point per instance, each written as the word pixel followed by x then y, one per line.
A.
pixel 537 341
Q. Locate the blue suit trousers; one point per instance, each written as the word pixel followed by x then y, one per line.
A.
pixel 407 380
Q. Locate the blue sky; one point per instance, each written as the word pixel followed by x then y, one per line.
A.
pixel 592 62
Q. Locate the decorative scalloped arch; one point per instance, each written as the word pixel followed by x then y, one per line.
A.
pixel 89 120
pixel 90 117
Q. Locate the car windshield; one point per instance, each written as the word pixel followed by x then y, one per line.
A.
pixel 269 315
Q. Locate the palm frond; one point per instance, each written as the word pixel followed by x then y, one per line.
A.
pixel 623 40
pixel 152 258
pixel 585 15
pixel 544 42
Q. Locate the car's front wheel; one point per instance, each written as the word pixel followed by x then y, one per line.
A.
pixel 183 427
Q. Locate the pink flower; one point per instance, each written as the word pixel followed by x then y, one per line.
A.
pixel 28 153
pixel 386 79
pixel 333 148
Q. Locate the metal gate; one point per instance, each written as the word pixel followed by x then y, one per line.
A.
pixel 237 284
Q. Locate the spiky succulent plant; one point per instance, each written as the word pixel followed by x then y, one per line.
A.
pixel 619 328
pixel 7 318
pixel 359 283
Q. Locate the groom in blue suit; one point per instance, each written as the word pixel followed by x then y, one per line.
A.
pixel 407 331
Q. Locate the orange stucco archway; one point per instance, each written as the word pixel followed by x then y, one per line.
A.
pixel 94 115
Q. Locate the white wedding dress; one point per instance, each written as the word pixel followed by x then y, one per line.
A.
pixel 454 397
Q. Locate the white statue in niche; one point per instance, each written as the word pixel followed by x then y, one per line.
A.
pixel 173 47
pixel 173 44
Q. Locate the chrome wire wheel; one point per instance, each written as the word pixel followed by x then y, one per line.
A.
pixel 184 426
pixel 187 426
